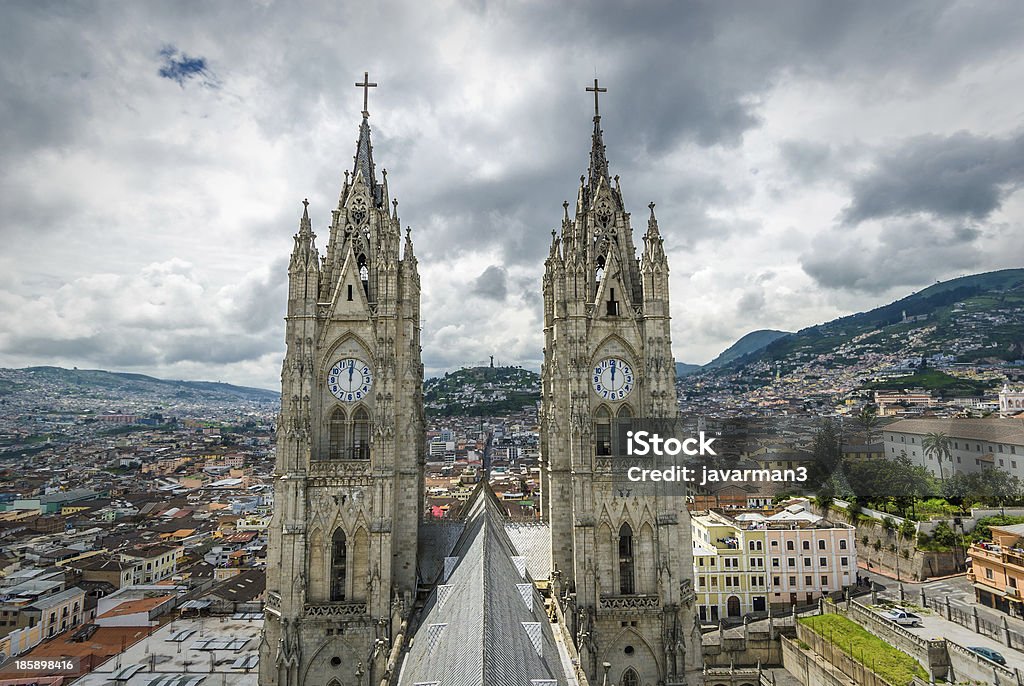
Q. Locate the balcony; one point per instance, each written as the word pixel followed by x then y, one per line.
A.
pixel 640 603
pixel 337 610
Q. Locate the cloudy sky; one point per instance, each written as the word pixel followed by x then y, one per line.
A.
pixel 808 160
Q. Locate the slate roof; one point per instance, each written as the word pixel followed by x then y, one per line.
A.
pixel 484 623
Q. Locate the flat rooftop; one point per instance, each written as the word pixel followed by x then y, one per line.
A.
pixel 215 650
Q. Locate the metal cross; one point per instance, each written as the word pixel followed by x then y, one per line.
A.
pixel 595 90
pixel 366 86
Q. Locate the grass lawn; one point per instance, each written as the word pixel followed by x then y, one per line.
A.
pixel 891 664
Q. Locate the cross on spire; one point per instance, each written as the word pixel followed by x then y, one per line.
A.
pixel 596 90
pixel 366 85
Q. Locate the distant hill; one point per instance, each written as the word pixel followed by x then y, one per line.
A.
pixel 685 369
pixel 99 383
pixel 971 318
pixel 481 391
pixel 748 344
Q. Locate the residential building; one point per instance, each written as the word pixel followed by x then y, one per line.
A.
pixel 749 562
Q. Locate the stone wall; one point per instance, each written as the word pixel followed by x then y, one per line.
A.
pixel 911 563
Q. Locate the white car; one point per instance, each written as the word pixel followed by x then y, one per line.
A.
pixel 902 617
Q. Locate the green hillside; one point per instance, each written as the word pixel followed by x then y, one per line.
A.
pixel 98 383
pixel 747 345
pixel 979 317
pixel 481 391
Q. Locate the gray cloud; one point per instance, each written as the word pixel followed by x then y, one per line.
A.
pixel 959 176
pixel 492 283
pixel 111 168
pixel 906 254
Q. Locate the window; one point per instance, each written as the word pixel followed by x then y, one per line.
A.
pixel 822 562
pixel 602 431
pixel 630 678
pixel 824 581
pixel 336 432
pixel 361 435
pixel 792 581
pixel 613 304
pixel 807 562
pixel 844 562
pixel 792 562
pixel 626 560
pixel 790 545
pixel 777 580
pixel 807 545
pixel 988 573
pixel 775 562
pixel 821 545
pixel 842 544
pixel 808 581
pixel 339 555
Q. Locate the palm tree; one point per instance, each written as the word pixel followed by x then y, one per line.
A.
pixel 868 419
pixel 937 445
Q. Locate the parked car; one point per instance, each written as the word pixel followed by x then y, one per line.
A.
pixel 988 653
pixel 902 617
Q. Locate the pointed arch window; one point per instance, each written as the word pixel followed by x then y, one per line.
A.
pixel 599 272
pixel 360 435
pixel 339 562
pixel 626 586
pixel 336 432
pixel 630 677
pixel 364 273
pixel 603 431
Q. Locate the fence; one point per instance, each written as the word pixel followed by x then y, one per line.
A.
pixel 997 631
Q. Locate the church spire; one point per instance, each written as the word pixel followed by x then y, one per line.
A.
pixel 364 148
pixel 304 240
pixel 598 161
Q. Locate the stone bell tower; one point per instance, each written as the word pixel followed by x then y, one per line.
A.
pixel 348 482
pixel 622 557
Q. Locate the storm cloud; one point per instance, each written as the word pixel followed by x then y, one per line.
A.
pixel 156 159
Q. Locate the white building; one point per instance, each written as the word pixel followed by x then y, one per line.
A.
pixel 974 444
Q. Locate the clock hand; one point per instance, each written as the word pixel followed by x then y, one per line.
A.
pixel 613 372
pixel 350 366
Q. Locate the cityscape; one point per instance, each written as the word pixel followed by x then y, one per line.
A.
pixel 511 344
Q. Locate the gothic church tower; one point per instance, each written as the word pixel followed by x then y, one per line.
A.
pixel 623 558
pixel 341 565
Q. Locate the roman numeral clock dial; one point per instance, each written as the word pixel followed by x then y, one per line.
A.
pixel 350 380
pixel 612 378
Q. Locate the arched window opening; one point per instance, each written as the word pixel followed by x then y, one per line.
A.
pixel 630 677
pixel 339 561
pixel 336 433
pixel 364 273
pixel 626 586
pixel 361 435
pixel 603 431
pixel 733 606
pixel 600 269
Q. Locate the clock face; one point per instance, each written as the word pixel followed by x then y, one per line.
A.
pixel 612 378
pixel 350 380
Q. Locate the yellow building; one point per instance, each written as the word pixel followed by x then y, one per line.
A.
pixel 750 562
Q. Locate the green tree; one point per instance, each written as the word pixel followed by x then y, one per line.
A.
pixel 867 417
pixel 938 446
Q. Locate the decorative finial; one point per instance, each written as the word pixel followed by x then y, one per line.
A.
pixel 652 208
pixel 366 86
pixel 305 202
pixel 395 203
pixel 565 208
pixel 596 90
pixel 384 173
pixel 582 178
